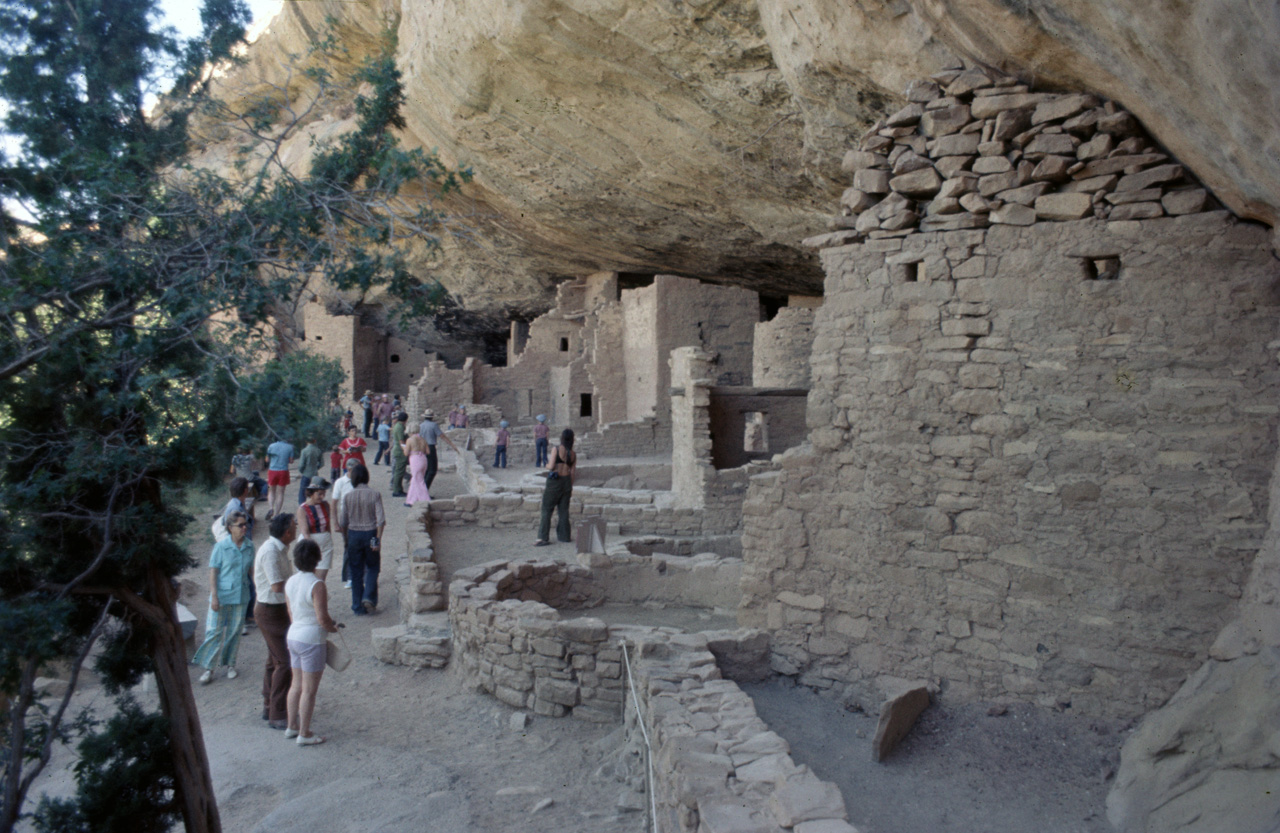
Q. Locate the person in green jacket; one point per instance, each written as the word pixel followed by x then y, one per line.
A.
pixel 309 462
pixel 398 458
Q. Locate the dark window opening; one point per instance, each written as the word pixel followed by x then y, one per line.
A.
pixel 905 272
pixel 769 306
pixel 395 358
pixel 1101 268
pixel 564 345
pixel 633 280
pixel 319 338
pixel 584 404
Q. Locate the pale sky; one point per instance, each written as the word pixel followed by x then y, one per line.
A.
pixel 184 15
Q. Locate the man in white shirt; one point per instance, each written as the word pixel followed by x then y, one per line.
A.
pixel 341 488
pixel 271 568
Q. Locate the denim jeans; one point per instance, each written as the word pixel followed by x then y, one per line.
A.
pixel 382 449
pixel 540 449
pixel 303 480
pixel 500 457
pixel 366 563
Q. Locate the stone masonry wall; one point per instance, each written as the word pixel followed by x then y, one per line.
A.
pixel 510 641
pixel 780 356
pixel 716 765
pixel 405 364
pixel 639 438
pixel 1024 481
pixel 695 482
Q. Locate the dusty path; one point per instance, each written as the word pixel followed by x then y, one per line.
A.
pixel 419 751
pixel 406 750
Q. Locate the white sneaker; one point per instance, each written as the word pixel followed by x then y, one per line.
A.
pixel 206 677
pixel 346 584
pixel 232 673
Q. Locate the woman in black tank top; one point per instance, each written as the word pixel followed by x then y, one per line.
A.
pixel 563 468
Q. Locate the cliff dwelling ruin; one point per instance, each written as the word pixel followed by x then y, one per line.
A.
pixel 1002 430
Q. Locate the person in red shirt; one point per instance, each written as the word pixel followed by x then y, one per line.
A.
pixel 335 463
pixel 353 446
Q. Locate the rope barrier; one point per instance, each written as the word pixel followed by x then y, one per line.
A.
pixel 649 784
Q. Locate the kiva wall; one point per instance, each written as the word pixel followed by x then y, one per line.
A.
pixel 1023 483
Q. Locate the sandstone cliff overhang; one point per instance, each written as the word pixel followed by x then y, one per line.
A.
pixel 704 138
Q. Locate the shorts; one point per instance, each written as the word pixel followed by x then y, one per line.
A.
pixel 307 656
pixel 277 478
pixel 325 540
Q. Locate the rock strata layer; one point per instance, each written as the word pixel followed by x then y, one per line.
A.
pixel 697 138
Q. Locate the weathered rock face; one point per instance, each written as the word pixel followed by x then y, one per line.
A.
pixel 1209 760
pixel 700 138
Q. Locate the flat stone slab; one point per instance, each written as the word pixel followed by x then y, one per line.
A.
pixel 897 716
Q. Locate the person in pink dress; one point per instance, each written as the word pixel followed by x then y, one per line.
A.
pixel 415 448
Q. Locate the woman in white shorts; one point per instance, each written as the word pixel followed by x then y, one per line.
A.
pixel 308 602
pixel 314 523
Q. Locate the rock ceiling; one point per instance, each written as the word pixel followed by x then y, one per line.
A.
pixel 703 137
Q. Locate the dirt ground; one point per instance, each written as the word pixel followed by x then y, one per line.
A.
pixel 409 751
pixel 960 769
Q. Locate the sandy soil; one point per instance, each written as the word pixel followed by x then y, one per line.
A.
pixel 413 750
pixel 961 769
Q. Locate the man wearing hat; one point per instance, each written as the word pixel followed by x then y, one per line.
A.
pixel 431 432
pixel 540 432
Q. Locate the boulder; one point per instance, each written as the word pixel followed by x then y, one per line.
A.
pixel 1208 761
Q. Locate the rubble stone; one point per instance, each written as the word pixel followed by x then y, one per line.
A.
pixel 944 120
pixel 1189 201
pixel 1063 206
pixel 1014 215
pixel 923 182
pixel 991 165
pixel 1137 211
pixel 871 181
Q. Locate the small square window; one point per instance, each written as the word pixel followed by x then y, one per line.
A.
pixel 395 358
pixel 584 404
pixel 1101 268
pixel 564 345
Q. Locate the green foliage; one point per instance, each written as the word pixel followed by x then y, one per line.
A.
pixel 135 293
pixel 291 396
pixel 124 779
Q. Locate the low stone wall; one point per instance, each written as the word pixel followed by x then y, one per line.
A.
pixel 418 641
pixel 472 472
pixel 704 580
pixel 716 765
pixel 517 648
pixel 633 512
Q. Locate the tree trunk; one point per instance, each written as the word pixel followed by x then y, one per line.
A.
pixel 186 740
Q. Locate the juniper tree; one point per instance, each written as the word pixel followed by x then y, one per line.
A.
pixel 133 293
